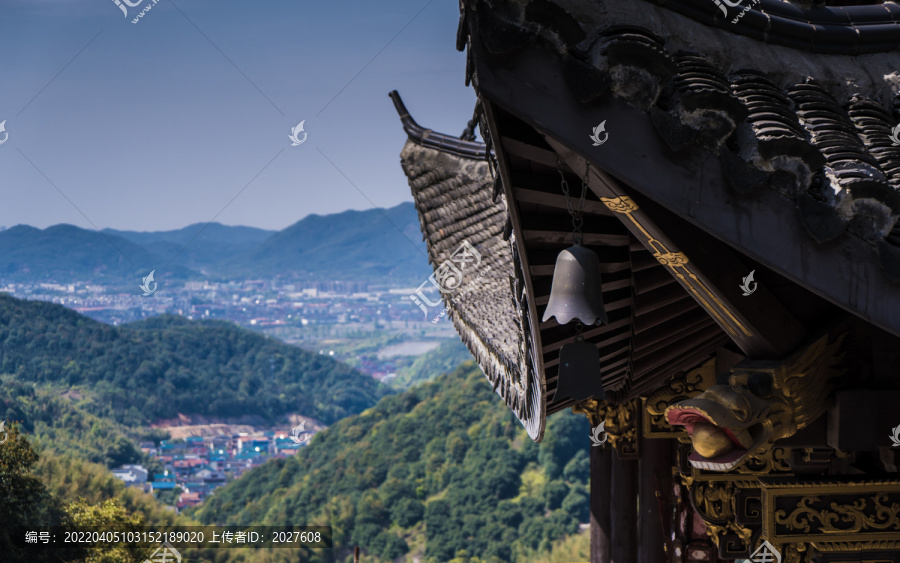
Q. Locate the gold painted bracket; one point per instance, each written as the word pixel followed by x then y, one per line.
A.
pixel 680 266
pixel 621 424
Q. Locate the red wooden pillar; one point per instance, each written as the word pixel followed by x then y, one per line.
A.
pixel 656 471
pixel 623 510
pixel 601 480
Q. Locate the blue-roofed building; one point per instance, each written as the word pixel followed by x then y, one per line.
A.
pixel 254 444
pixel 195 487
pixel 287 446
pixel 163 485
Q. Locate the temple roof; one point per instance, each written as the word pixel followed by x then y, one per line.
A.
pixel 753 143
pixel 454 194
pixel 873 27
pixel 704 103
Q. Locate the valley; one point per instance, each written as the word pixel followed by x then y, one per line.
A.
pixel 181 404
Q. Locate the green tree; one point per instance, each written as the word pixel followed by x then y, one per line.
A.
pixel 578 469
pixel 554 493
pixel 24 501
pixel 394 547
pixel 578 505
pixel 407 512
pixel 110 515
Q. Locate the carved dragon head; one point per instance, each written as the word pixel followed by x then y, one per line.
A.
pixel 763 402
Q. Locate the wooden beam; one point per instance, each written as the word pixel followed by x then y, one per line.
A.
pixel 606 342
pixel 531 152
pixel 608 286
pixel 624 361
pixel 559 220
pixel 641 261
pixel 707 269
pixel 565 238
pixel 589 334
pixel 652 345
pixel 648 280
pixel 612 375
pixel 558 201
pixel 656 299
pixel 663 314
pixel 643 383
pixel 694 318
pixel 684 346
pixel 605 268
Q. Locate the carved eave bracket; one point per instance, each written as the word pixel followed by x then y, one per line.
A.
pixel 683 386
pixel 621 423
pixel 763 402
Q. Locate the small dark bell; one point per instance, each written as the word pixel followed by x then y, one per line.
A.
pixel 576 291
pixel 579 372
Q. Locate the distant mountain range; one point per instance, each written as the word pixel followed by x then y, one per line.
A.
pixel 377 245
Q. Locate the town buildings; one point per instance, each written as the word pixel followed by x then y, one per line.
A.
pixel 196 466
pixel 313 315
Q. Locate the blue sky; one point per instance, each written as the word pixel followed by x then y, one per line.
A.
pixel 160 124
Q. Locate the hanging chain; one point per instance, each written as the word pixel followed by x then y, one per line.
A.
pixel 579 330
pixel 577 214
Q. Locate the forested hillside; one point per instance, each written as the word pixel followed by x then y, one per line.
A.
pixel 443 469
pixel 443 359
pixel 41 488
pixel 153 369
